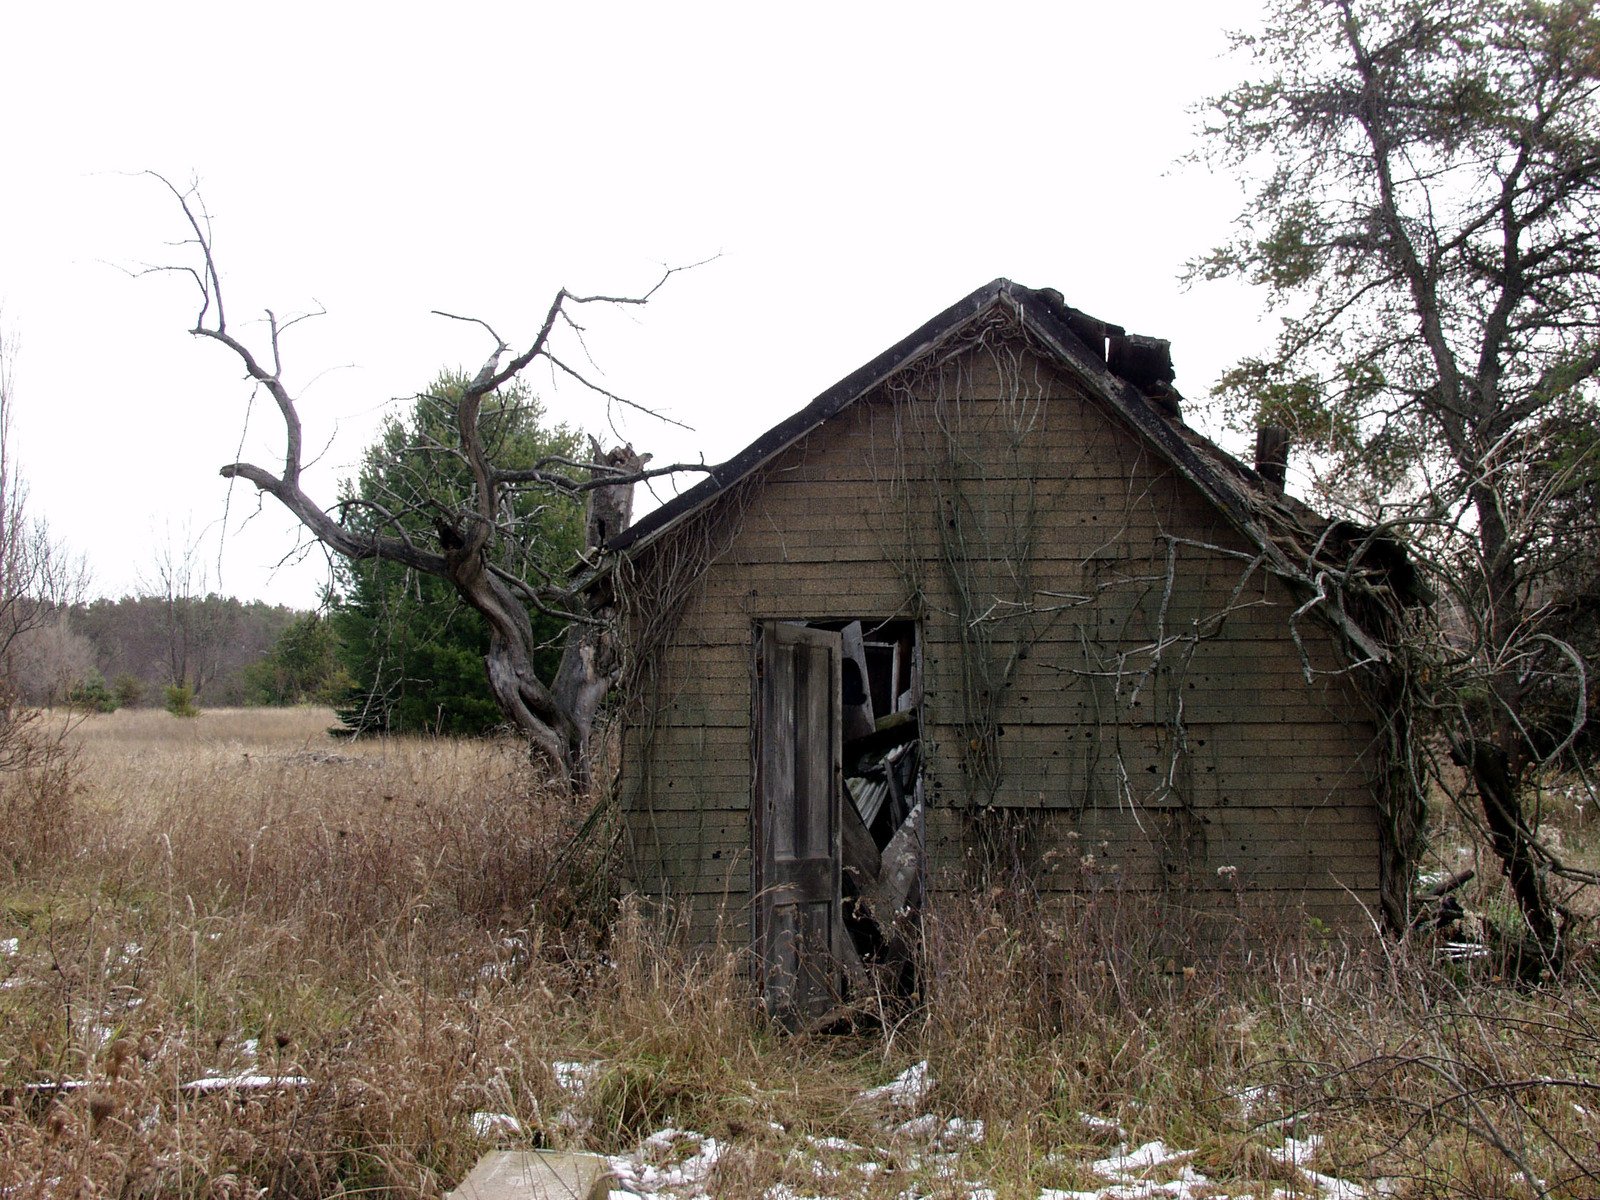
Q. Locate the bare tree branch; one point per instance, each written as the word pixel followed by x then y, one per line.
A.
pixel 465 545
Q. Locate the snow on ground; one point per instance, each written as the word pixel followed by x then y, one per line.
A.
pixel 244 1083
pixel 1096 1124
pixel 676 1164
pixel 574 1078
pixel 671 1162
pixel 489 1125
pixel 906 1090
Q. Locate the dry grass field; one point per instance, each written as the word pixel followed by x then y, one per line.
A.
pixel 239 958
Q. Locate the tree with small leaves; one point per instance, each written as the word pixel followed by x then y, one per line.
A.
pixel 1423 208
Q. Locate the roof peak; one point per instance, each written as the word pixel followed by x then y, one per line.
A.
pixel 1103 353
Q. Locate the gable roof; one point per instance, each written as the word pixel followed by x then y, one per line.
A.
pixel 1132 375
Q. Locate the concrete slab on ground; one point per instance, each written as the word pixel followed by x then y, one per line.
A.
pixel 535 1175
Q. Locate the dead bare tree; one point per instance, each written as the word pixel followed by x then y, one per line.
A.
pixel 196 624
pixel 39 580
pixel 38 577
pixel 557 717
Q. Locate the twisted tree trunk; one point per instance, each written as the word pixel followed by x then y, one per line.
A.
pixel 557 719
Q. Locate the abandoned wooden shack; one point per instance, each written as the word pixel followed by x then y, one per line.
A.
pixel 987 611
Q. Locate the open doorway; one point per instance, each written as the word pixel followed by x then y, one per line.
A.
pixel 837 824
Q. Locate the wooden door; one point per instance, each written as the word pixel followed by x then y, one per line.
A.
pixel 799 927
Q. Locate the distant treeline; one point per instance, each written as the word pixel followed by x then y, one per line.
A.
pixel 135 648
pixel 204 643
pixel 397 655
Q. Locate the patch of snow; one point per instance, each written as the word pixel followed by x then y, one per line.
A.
pixel 1252 1100
pixel 489 1124
pixel 906 1090
pixel 958 1130
pixel 924 1126
pixel 14 981
pixel 1334 1189
pixel 935 1130
pixel 10 946
pixel 1096 1124
pixel 575 1078
pixel 1122 1166
pixel 223 1083
pixel 640 1175
pixel 620 1194
pixel 662 1139
pixel 1296 1152
pixel 250 1046
pixel 696 1168
pixel 1190 1185
pixel 818 1170
pixel 944 1165
pixel 832 1143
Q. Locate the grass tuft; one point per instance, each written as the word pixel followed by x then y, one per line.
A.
pixel 237 894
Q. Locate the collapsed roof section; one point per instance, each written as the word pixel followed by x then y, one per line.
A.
pixel 1133 375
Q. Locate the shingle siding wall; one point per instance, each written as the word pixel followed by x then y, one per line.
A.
pixel 1216 752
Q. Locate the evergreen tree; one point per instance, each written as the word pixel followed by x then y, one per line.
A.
pixel 301 668
pixel 415 652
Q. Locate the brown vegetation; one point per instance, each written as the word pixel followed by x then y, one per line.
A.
pixel 238 893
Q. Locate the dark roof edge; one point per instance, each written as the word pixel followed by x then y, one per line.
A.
pixel 1067 333
pixel 1050 320
pixel 790 430
pixel 1063 328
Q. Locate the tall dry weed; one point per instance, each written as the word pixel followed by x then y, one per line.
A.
pixel 1433 1079
pixel 400 925
pixel 38 792
pixel 245 895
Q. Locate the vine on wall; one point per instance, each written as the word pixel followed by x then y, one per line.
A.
pixel 956 445
pixel 656 590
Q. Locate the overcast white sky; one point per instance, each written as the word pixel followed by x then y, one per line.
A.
pixel 857 168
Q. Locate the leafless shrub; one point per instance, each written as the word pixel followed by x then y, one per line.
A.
pixel 38 579
pixel 1452 1087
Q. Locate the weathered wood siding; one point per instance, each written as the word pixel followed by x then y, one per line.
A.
pixel 1158 724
